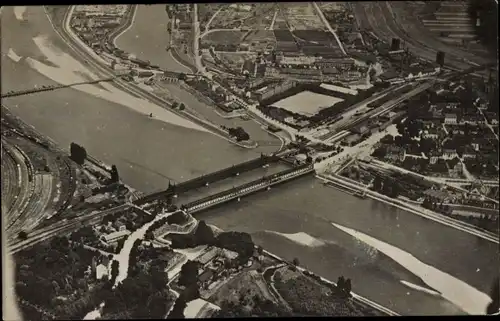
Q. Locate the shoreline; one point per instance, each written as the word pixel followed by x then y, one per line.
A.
pixel 129 25
pixel 355 296
pixel 439 218
pixel 185 116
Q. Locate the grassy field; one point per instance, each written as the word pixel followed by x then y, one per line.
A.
pixel 225 37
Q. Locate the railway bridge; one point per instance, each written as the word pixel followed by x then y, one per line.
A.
pixel 55 87
pixel 205 180
pixel 264 183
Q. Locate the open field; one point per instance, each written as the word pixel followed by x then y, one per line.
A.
pixel 307 103
pixel 302 16
pixel 224 37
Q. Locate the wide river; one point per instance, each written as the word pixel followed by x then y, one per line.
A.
pixel 149 152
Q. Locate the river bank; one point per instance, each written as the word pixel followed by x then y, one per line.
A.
pixel 344 182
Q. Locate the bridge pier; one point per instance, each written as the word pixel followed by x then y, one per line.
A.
pixel 239 199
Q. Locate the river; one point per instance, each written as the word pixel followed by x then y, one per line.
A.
pixel 148 152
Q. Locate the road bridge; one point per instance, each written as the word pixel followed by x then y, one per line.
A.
pixel 205 180
pixel 247 189
pixel 51 87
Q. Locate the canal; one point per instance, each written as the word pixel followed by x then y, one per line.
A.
pixel 148 153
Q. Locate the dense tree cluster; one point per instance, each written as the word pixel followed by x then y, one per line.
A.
pixel 77 153
pixel 239 133
pixel 258 307
pixel 178 218
pixel 386 186
pixel 133 268
pixel 142 296
pixel 114 174
pixel 344 286
pixel 114 271
pixel 188 275
pixel 203 235
pixel 57 271
pixel 238 242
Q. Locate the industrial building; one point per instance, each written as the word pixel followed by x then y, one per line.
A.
pixel 269 91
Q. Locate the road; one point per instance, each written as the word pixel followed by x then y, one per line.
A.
pixel 196 43
pixel 207 26
pixel 327 24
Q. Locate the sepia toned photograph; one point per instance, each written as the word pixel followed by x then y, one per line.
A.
pixel 250 159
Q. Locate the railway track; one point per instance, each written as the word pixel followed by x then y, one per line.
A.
pixel 10 178
pixel 38 236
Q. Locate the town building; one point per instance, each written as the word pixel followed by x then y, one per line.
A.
pixel 450 119
pixel 208 256
pixel 114 236
pixel 434 156
pixel 298 60
pixel 449 153
pixel 430 133
pixel 272 90
pixel 205 278
pixel 101 271
pixel 469 153
pixel 341 63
